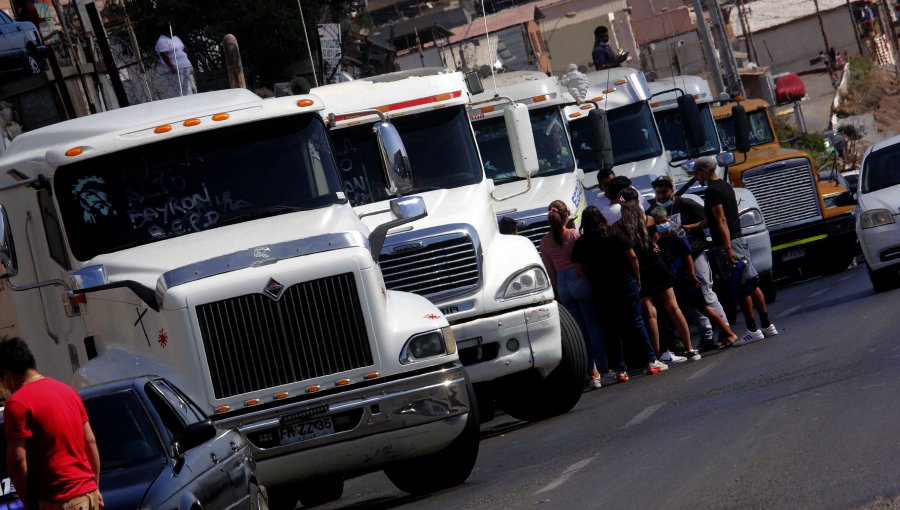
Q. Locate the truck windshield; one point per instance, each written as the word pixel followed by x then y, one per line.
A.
pixel 881 170
pixel 196 182
pixel 671 129
pixel 633 133
pixel 552 141
pixel 439 144
pixel 760 130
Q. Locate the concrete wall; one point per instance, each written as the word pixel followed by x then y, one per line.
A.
pixel 686 53
pixel 791 46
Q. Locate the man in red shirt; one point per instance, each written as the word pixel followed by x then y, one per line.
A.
pixel 51 452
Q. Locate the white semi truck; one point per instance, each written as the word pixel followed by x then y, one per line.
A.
pixel 208 239
pixel 518 346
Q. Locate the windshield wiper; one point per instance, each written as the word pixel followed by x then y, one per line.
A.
pixel 262 213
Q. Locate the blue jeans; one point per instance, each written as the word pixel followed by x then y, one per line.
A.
pixel 578 297
pixel 623 316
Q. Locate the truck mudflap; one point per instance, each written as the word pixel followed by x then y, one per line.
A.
pixel 827 245
pixel 510 342
pixel 357 430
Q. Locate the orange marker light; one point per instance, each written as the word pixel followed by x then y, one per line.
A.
pixel 371 376
pixel 598 98
pixel 487 109
pixel 223 409
pixel 607 91
pixel 252 402
pixel 220 116
pixel 342 382
pixel 538 99
pixel 165 128
pixel 313 389
pixel 654 105
pixel 620 82
pixel 443 97
pixel 281 396
pixel 75 151
pixel 574 115
pixel 586 106
pixel 191 122
pixel 303 103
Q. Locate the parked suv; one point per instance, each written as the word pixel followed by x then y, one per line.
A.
pixel 877 214
pixel 21 48
pixel 159 450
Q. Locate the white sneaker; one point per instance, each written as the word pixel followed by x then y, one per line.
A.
pixel 609 378
pixel 670 357
pixel 656 366
pixel 770 331
pixel 749 337
pixel 596 382
pixel 693 355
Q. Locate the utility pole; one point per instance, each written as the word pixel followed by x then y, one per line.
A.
pixel 859 44
pixel 733 82
pixel 708 48
pixel 748 32
pixel 821 25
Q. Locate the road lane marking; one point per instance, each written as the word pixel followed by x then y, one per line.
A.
pixel 788 311
pixel 643 415
pixel 819 292
pixel 872 386
pixel 568 473
pixel 703 371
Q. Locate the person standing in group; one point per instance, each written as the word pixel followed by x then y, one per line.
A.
pixel 655 280
pixel 178 68
pixel 690 217
pixel 51 452
pixel 733 252
pixel 604 257
pixel 608 200
pixel 572 291
pixel 603 56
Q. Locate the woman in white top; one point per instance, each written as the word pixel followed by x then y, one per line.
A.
pixel 177 66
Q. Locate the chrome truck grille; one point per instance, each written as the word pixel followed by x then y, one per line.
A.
pixel 786 192
pixel 314 329
pixel 534 229
pixel 436 267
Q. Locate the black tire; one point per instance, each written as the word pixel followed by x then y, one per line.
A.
pixel 529 397
pixel 767 285
pixel 885 279
pixel 282 498
pixel 318 492
pixel 445 468
pixel 259 498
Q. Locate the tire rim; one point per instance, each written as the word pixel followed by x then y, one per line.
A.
pixel 34 65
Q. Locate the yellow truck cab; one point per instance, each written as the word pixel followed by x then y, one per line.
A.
pixel 807 227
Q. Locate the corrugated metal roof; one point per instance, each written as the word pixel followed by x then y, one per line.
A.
pixel 765 14
pixel 498 21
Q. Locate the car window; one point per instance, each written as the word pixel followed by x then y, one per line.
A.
pixel 880 170
pixel 4 19
pixel 187 412
pixel 125 434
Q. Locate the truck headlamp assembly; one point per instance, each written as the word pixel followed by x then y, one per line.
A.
pixel 751 218
pixel 831 200
pixel 876 218
pixel 438 342
pixel 532 280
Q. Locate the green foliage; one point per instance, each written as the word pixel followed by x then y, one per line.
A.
pixel 859 96
pixel 812 143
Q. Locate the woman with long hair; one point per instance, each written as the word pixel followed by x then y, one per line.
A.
pixel 657 283
pixel 573 292
pixel 606 258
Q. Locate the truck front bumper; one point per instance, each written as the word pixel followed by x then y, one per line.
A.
pixel 373 426
pixel 510 342
pixel 817 242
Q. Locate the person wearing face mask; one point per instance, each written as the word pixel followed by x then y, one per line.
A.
pixel 604 57
pixel 689 215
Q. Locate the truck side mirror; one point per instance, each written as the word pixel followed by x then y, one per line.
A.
pixel 404 210
pixel 603 151
pixel 725 159
pixel 397 172
pixel 690 119
pixel 741 128
pixel 473 83
pixel 7 247
pixel 521 140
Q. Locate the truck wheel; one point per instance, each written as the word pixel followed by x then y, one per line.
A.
pixel 885 279
pixel 445 468
pixel 321 491
pixel 528 397
pixel 767 285
pixel 259 499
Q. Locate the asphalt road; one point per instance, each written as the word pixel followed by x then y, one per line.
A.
pixel 807 419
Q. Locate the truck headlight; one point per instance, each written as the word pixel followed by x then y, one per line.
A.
pixel 875 218
pixel 751 218
pixel 528 281
pixel 428 345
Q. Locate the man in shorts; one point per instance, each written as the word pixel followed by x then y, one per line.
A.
pixel 733 252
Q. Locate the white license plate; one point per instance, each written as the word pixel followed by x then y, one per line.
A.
pixel 796 253
pixel 304 431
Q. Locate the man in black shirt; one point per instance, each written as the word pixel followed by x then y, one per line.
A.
pixel 690 215
pixel 733 252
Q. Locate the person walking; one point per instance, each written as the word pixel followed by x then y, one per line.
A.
pixel 573 291
pixel 732 252
pixel 178 69
pixel 689 215
pixel 602 55
pixel 52 455
pixel 604 257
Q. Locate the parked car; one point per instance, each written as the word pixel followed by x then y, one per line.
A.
pixel 877 210
pixel 21 48
pixel 158 450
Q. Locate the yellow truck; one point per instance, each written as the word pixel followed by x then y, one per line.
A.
pixel 808 227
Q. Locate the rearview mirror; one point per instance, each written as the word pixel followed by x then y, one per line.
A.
pixel 741 128
pixel 603 151
pixel 473 83
pixel 725 159
pixel 397 172
pixel 521 140
pixel 7 247
pixel 690 119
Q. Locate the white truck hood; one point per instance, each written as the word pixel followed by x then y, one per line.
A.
pixel 565 187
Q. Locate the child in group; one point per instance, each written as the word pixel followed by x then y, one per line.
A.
pixel 676 252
